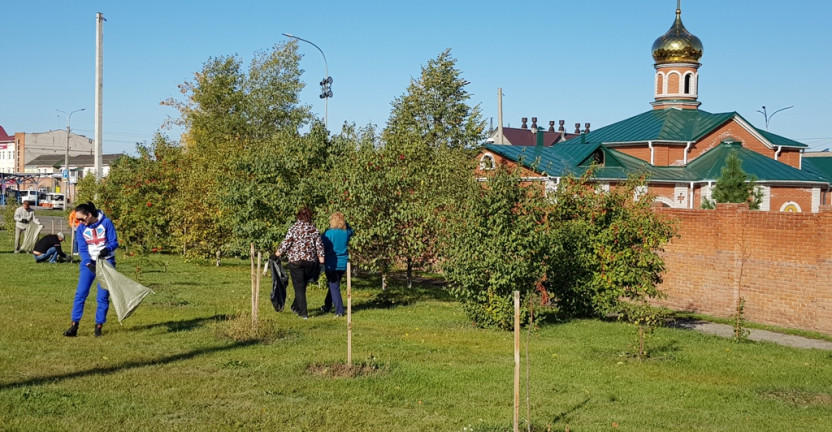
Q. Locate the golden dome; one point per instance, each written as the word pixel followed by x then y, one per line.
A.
pixel 677 45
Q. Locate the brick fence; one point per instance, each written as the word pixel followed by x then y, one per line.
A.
pixel 780 263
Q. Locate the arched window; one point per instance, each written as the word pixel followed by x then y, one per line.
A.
pixel 790 207
pixel 487 162
pixel 687 84
pixel 598 157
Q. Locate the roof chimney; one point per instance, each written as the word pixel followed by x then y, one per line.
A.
pixel 551 126
pixel 534 122
pixel 577 128
pixel 560 127
pixel 586 127
pixel 524 120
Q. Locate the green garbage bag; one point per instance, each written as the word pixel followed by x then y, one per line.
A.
pixel 125 293
pixel 30 237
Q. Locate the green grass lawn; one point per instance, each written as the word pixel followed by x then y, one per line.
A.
pixel 175 365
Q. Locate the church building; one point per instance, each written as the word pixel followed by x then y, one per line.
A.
pixel 681 147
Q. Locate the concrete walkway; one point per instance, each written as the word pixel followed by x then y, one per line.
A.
pixel 727 331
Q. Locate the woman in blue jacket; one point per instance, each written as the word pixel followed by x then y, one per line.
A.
pixel 336 254
pixel 96 239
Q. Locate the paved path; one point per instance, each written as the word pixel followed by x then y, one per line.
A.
pixel 727 331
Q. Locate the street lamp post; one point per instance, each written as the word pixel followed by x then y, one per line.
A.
pixel 326 83
pixel 66 155
pixel 768 117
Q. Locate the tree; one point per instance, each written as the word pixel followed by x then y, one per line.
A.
pixel 497 247
pixel 735 186
pixel 425 161
pixel 607 247
pixel 229 115
pixel 435 110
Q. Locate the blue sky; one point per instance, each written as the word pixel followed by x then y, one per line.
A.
pixel 580 61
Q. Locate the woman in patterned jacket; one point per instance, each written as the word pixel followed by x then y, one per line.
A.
pixel 305 251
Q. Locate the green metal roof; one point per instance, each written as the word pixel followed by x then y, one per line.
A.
pixel 570 158
pixel 820 166
pixel 659 125
pixel 709 166
pixel 555 160
pixel 672 125
pixel 780 140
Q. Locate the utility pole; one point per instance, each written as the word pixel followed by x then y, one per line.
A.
pixel 66 155
pixel 99 88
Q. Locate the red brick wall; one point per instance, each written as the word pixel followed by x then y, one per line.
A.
pixel 780 263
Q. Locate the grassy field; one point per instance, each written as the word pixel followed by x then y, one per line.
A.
pixel 180 364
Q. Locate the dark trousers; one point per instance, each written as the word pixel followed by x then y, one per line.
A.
pixel 301 273
pixel 333 278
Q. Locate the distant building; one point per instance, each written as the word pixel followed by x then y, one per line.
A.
pixel 29 146
pixel 525 135
pixel 7 153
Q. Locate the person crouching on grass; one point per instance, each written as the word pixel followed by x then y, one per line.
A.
pixel 97 241
pixel 48 248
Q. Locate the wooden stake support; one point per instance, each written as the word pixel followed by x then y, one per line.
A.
pixel 349 314
pixel 516 361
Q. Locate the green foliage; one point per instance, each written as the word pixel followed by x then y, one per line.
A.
pixel 234 119
pixel 497 248
pixel 138 195
pixel 434 110
pixel 614 246
pixel 741 332
pixel 8 216
pixel 271 182
pixel 87 190
pixel 735 186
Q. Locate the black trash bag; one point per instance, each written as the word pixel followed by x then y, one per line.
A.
pixel 316 273
pixel 280 283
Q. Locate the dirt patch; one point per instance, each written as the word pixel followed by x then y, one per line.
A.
pixel 343 370
pixel 799 397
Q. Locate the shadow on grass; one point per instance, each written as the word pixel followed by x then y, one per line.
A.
pixel 125 366
pixel 564 416
pixel 183 325
pixel 397 294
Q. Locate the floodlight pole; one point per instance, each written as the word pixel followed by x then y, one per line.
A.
pixel 66 155
pixel 326 83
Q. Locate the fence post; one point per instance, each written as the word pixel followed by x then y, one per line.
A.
pixel 251 259
pixel 349 314
pixel 516 361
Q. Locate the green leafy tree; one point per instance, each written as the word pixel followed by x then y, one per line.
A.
pixel 137 194
pixel 424 163
pixel 735 186
pixel 435 108
pixel 607 247
pixel 497 247
pixel 274 179
pixel 229 114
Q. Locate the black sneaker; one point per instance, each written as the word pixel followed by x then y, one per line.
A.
pixel 72 331
pixel 325 309
pixel 97 331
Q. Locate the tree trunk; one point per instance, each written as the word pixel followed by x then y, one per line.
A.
pixel 409 273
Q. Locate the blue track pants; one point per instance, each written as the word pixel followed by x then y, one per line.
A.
pixel 85 280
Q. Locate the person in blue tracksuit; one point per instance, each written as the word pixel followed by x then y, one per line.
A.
pixel 96 240
pixel 336 241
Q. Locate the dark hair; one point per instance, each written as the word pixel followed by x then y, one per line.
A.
pixel 305 215
pixel 87 208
